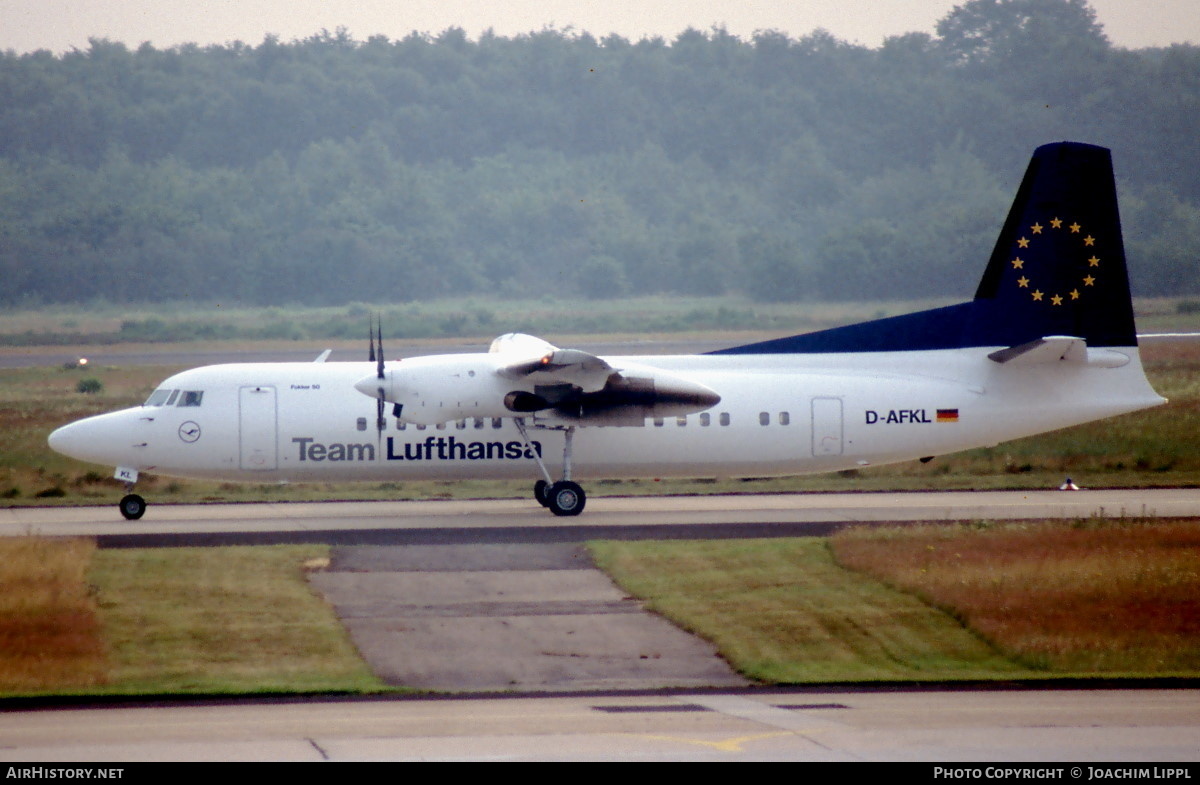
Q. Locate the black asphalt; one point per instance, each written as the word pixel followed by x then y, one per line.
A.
pixel 478 536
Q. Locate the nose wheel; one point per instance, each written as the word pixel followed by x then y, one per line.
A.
pixel 132 507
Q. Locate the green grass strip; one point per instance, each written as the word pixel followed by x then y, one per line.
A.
pixel 221 620
pixel 782 612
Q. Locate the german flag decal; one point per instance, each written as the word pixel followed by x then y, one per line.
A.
pixel 947 415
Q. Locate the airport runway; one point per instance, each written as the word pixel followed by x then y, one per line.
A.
pixel 1012 727
pixel 630 517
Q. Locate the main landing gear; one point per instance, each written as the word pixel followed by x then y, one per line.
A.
pixel 564 497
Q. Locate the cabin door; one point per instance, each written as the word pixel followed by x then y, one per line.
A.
pixel 826 427
pixel 256 417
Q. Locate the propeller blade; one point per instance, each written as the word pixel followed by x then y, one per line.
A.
pixel 377 357
pixel 379 367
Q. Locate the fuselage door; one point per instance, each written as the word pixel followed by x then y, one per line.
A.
pixel 256 416
pixel 826 427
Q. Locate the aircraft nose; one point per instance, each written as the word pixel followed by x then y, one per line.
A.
pixel 70 439
pixel 98 439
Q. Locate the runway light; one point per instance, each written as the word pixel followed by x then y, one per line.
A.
pixel 83 361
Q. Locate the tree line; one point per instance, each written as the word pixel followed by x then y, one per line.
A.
pixel 330 170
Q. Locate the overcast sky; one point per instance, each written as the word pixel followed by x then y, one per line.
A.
pixel 60 25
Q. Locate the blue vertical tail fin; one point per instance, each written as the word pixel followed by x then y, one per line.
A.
pixel 1058 267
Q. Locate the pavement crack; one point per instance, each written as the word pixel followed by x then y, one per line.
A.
pixel 320 750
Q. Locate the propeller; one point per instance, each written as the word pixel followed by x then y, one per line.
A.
pixel 377 358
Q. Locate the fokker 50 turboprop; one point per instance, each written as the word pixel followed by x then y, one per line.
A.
pixel 1047 342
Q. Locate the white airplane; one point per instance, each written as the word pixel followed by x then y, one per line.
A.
pixel 1047 342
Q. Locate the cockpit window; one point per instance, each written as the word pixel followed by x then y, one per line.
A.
pixel 190 398
pixel 159 397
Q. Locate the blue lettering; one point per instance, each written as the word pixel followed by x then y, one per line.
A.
pixel 309 449
pixel 303 441
pixel 440 448
pixel 897 416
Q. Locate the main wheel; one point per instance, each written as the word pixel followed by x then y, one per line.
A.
pixel 539 492
pixel 133 507
pixel 565 498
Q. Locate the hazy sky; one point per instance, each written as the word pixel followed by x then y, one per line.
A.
pixel 60 25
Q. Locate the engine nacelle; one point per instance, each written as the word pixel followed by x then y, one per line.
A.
pixel 565 384
pixel 442 388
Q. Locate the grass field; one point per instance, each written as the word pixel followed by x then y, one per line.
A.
pixel 923 603
pixel 76 620
pixel 1085 597
pixel 930 603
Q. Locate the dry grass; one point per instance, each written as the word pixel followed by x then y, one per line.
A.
pixel 1103 597
pixel 50 638
pixel 222 620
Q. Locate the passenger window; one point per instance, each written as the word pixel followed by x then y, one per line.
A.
pixel 478 423
pixel 497 422
pixel 724 418
pixel 658 421
pixel 705 419
pixel 784 418
pixel 362 423
pixel 401 425
pixel 681 421
pixel 190 398
pixel 764 418
pixel 461 424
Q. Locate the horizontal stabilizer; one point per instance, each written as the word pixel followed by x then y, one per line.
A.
pixel 1054 348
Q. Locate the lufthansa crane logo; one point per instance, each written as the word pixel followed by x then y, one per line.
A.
pixel 189 431
pixel 1076 240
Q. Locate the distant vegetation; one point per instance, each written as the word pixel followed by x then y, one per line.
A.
pixel 328 171
pixel 549 317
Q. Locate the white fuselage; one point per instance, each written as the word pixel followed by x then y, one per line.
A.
pixel 778 414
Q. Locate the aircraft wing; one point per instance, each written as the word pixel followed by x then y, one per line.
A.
pixel 578 386
pixel 562 366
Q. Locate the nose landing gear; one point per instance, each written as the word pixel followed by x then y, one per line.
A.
pixel 131 505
